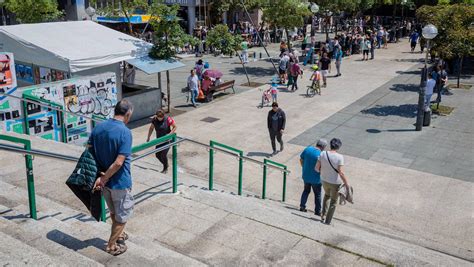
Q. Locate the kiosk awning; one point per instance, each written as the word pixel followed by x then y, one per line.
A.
pixel 152 66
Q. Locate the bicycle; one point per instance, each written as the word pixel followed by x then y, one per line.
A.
pixel 313 89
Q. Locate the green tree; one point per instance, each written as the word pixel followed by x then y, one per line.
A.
pixel 168 36
pixel 126 8
pixel 34 11
pixel 221 39
pixel 286 13
pixel 168 33
pixel 455 38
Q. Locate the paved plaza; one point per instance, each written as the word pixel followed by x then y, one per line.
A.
pixel 412 203
pixel 380 127
pixel 401 177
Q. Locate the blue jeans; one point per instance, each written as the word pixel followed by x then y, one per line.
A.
pixel 379 41
pixel 428 100
pixel 317 197
pixel 194 94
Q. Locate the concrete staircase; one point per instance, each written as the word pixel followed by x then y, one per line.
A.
pixel 195 227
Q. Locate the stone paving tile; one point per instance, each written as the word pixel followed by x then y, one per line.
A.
pixel 380 127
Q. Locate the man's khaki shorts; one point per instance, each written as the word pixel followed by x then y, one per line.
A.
pixel 120 203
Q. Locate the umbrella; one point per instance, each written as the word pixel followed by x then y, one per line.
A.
pixel 213 74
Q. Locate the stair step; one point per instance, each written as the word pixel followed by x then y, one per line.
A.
pixel 39 235
pixel 15 253
pixel 81 225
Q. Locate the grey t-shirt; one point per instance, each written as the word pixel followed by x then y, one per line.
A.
pixel 328 174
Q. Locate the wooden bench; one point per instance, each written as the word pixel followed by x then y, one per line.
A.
pixel 223 86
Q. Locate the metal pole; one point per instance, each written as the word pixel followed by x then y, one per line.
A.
pixel 260 38
pixel 103 216
pixel 264 186
pixel 243 65
pixel 30 182
pixel 211 165
pixel 175 165
pixel 241 164
pixel 284 186
pixel 421 94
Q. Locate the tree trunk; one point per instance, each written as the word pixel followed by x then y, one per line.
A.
pixel 168 90
pixel 460 69
pixel 127 16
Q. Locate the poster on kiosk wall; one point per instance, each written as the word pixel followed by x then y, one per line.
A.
pixel 10 109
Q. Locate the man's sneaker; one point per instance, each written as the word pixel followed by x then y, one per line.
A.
pixel 303 210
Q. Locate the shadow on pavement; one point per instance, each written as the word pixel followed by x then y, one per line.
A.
pixel 257 71
pixel 376 131
pixel 259 154
pixel 405 88
pixel 406 111
pixel 410 72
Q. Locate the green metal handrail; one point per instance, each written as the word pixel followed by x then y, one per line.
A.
pixel 240 153
pixel 171 137
pixel 264 186
pixel 29 171
pixel 161 140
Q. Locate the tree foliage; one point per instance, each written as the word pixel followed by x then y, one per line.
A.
pixel 168 33
pixel 34 11
pixel 221 39
pixel 286 13
pixel 230 5
pixel 455 36
pixel 126 8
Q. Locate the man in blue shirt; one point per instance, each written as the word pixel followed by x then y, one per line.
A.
pixel 311 177
pixel 111 143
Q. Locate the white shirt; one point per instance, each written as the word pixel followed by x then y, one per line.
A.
pixel 193 83
pixel 328 174
pixel 430 84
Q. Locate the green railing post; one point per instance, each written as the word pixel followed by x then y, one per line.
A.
pixel 284 186
pixel 175 165
pixel 211 166
pixel 30 182
pixel 264 186
pixel 241 168
pixel 238 152
pixel 103 216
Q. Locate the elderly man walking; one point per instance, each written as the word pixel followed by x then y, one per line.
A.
pixel 311 177
pixel 111 143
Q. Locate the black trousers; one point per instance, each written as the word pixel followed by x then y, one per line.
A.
pixel 277 135
pixel 162 156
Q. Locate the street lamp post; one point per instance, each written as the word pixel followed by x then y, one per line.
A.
pixel 429 32
pixel 90 11
pixel 314 9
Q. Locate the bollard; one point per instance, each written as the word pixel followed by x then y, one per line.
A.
pixel 260 55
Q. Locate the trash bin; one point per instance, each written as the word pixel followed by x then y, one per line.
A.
pixel 427 117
